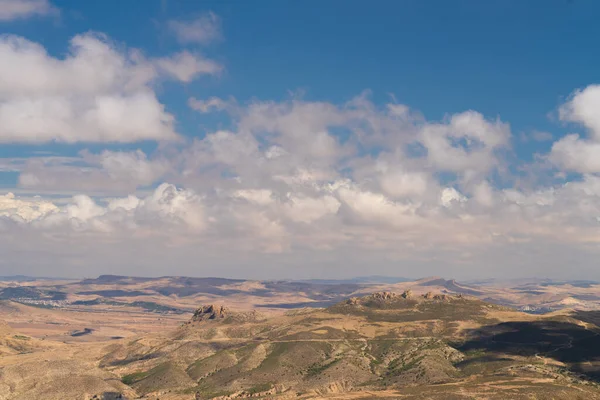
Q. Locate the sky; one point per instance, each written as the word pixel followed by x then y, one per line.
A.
pixel 294 140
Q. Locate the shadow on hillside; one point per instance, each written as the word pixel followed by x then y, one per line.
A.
pixel 591 317
pixel 563 341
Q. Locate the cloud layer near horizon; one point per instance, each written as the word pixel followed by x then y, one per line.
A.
pixel 287 183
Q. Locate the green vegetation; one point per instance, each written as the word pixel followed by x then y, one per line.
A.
pixel 475 353
pixel 206 393
pixel 211 364
pixel 399 365
pixel 271 361
pixel 146 305
pixel 138 376
pixel 21 292
pixel 45 306
pixel 154 307
pixel 262 387
pixel 317 368
pixel 133 378
pixel 86 302
pixel 21 337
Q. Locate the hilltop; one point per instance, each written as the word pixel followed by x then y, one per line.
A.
pixel 379 343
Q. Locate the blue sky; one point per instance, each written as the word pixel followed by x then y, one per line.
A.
pixel 515 59
pixel 301 135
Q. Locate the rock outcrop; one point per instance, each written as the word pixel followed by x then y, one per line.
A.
pixel 353 301
pixel 210 312
pixel 383 296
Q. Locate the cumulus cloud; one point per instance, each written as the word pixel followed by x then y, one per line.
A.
pixel 105 172
pixel 97 93
pixel 21 9
pixel 163 210
pixel 203 29
pixel 400 183
pixel 186 66
pixel 25 210
pixel 466 142
pixel 300 180
pixel 303 126
pixel 573 152
pixel 262 197
pixel 449 196
pixel 301 208
pixel 582 108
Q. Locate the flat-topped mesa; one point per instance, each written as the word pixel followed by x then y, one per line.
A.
pixel 384 297
pixel 391 300
pixel 210 312
pixel 380 299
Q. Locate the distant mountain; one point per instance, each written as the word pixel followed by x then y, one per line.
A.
pixel 185 293
pixel 381 279
pixel 451 285
pixel 25 278
pixel 370 279
pixel 17 278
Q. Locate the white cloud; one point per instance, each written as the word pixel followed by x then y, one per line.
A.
pixel 21 9
pixel 575 154
pixel 106 172
pixel 304 180
pixel 132 166
pixel 176 206
pixel 399 183
pixel 483 193
pixel 572 152
pixel 203 29
pixel 299 125
pixel 165 209
pixel 25 209
pixel 583 108
pixel 229 148
pixel 124 203
pixel 208 105
pixel 301 208
pixel 376 208
pixel 451 196
pixel 96 93
pixel 261 197
pixel 186 66
pixel 466 142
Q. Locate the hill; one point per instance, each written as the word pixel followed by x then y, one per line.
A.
pixel 384 343
pixel 147 338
